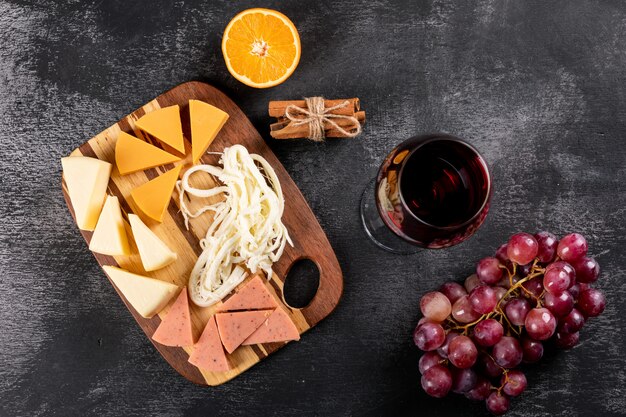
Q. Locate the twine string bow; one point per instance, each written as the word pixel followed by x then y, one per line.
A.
pixel 316 115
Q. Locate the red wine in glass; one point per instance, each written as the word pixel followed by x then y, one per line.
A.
pixel 431 191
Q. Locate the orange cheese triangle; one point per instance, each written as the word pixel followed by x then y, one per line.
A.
pixel 164 124
pixel 236 327
pixel 208 353
pixel 133 154
pixel 175 329
pixel 206 122
pixel 253 296
pixel 154 196
pixel 277 328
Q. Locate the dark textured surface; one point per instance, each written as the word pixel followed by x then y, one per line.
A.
pixel 537 86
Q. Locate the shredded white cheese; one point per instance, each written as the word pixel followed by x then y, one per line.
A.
pixel 246 230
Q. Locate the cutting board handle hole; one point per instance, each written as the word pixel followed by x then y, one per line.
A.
pixel 301 283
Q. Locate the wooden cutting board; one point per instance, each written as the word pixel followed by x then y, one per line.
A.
pixel 309 239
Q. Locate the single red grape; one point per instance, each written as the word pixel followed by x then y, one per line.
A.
pixel 488 270
pixel 591 302
pixel 429 336
pixel 513 383
pixel 572 322
pixel 443 349
pixel 560 305
pixel 488 366
pixel 566 340
pixel 435 306
pixel 587 269
pixel 462 352
pixel 575 290
pixel 463 380
pixel 540 323
pixel 508 352
pixel 532 350
pixel 481 390
pixel 502 254
pixel 437 381
pixel 428 360
pixel 522 248
pixel 556 279
pixel 471 282
pixel 497 403
pixel 463 312
pixel 572 247
pixel 488 332
pixel 516 310
pixel 452 290
pixel 500 292
pixel 483 299
pixel 534 286
pixel 547 244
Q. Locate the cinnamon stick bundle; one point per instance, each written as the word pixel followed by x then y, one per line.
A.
pixel 316 118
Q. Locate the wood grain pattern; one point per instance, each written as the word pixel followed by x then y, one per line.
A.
pixel 309 239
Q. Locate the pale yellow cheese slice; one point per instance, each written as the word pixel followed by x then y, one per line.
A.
pixel 206 122
pixel 147 295
pixel 164 124
pixel 86 179
pixel 153 252
pixel 153 197
pixel 133 154
pixel 109 237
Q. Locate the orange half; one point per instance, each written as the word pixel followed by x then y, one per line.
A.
pixel 261 47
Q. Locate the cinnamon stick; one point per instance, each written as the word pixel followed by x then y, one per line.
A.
pixel 285 129
pixel 278 108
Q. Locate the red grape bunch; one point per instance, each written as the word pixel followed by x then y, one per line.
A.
pixel 534 291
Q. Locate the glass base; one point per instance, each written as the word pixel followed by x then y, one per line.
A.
pixel 377 230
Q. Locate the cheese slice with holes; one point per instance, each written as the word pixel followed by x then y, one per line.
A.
pixel 277 328
pixel 208 354
pixel 175 329
pixel 154 197
pixel 206 122
pixel 109 236
pixel 253 296
pixel 234 328
pixel 133 154
pixel 153 252
pixel 86 180
pixel 165 125
pixel 147 295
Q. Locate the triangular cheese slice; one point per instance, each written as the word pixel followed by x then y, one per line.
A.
pixel 109 237
pixel 206 122
pixel 164 124
pixel 154 196
pixel 147 295
pixel 208 353
pixel 87 180
pixel 153 252
pixel 133 154
pixel 175 329
pixel 253 296
pixel 277 328
pixel 236 327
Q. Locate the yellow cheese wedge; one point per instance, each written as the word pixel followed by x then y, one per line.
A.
pixel 109 237
pixel 206 122
pixel 154 196
pixel 86 180
pixel 147 295
pixel 133 154
pixel 164 124
pixel 153 252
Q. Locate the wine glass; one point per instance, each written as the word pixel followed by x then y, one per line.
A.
pixel 431 191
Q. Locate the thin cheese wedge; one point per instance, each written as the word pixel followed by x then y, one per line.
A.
pixel 147 295
pixel 206 122
pixel 109 237
pixel 236 327
pixel 154 196
pixel 175 329
pixel 208 353
pixel 253 296
pixel 277 328
pixel 133 154
pixel 164 124
pixel 87 180
pixel 153 252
